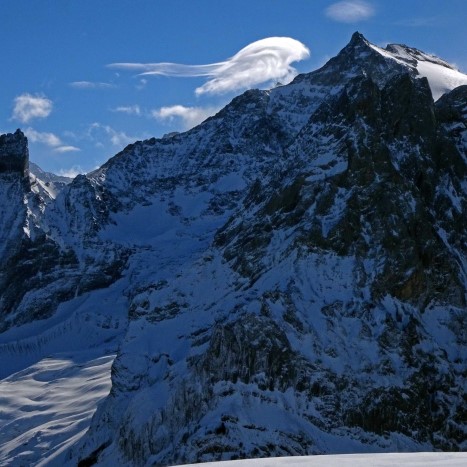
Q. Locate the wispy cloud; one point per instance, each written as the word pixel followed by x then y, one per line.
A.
pixel 262 61
pixel 142 84
pixel 103 136
pixel 28 106
pixel 118 138
pixel 190 116
pixel 350 11
pixel 129 109
pixel 49 139
pixel 67 149
pixel 91 85
pixel 72 172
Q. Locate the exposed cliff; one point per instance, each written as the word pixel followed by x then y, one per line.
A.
pixel 14 153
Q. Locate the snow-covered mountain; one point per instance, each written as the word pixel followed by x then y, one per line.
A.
pixel 287 278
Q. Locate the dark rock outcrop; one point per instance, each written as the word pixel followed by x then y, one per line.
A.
pixel 14 153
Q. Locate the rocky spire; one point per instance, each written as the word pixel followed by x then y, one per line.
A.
pixel 14 153
pixel 358 38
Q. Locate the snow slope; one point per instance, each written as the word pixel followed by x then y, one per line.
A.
pixel 54 374
pixel 49 405
pixel 442 76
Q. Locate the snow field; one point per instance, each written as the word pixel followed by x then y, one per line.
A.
pixel 48 406
pixel 422 459
pixel 54 373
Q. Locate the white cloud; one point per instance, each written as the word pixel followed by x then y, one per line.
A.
pixel 190 116
pixel 142 84
pixel 262 61
pixel 91 85
pixel 350 11
pixel 49 139
pixel 67 149
pixel 28 107
pixel 72 172
pixel 130 109
pixel 117 138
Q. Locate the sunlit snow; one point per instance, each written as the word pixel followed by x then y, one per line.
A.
pixel 55 372
pixel 442 77
pixel 48 406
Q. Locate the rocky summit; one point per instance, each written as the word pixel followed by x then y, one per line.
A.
pixel 287 278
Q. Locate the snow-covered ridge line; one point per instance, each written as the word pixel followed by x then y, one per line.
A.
pixel 442 76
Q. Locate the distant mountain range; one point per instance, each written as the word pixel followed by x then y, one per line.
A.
pixel 287 278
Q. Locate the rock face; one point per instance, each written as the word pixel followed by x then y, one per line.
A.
pixel 48 247
pixel 14 154
pixel 295 270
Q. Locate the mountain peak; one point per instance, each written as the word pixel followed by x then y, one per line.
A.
pixel 381 64
pixel 358 43
pixel 358 38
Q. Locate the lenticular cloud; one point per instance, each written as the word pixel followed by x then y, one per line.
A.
pixel 259 62
pixel 350 11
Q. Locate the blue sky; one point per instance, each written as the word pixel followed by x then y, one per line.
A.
pixel 75 74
